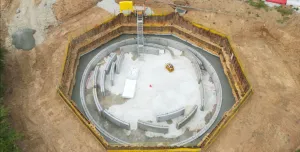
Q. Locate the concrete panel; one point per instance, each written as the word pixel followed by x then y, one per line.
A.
pixel 95 95
pixel 170 115
pixel 102 83
pixel 155 45
pixel 115 120
pixel 113 58
pixel 129 48
pixel 187 118
pixel 151 50
pixel 147 126
pixel 112 73
pixel 201 88
pixel 119 62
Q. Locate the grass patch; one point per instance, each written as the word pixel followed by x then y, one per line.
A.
pixel 285 18
pixel 8 136
pixel 284 11
pixel 258 4
pixel 297 150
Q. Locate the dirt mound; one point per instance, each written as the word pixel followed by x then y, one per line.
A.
pixel 64 9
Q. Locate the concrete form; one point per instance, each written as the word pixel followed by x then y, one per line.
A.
pixel 119 62
pixel 102 83
pixel 112 73
pixel 187 118
pixel 148 126
pixel 170 115
pixel 129 48
pixel 151 50
pixel 115 120
pixel 113 58
pixel 95 95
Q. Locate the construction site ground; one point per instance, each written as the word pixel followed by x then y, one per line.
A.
pixel 269 51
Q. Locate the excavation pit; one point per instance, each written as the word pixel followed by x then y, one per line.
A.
pixel 183 108
pixel 168 91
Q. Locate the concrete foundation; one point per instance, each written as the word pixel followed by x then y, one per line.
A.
pixel 110 132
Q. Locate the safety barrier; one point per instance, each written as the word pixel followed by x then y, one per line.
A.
pixel 170 115
pixel 198 35
pixel 148 126
pixel 187 118
pixel 115 120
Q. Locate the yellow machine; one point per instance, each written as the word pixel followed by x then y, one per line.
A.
pixel 169 67
pixel 126 5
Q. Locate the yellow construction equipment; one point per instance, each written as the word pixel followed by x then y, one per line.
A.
pixel 169 67
pixel 126 5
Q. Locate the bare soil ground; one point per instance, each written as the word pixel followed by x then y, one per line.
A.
pixel 65 9
pixel 36 109
pixel 269 52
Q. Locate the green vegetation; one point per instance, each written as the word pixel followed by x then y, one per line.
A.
pixel 8 136
pixel 258 4
pixel 2 51
pixel 284 10
pixel 297 150
pixel 283 20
